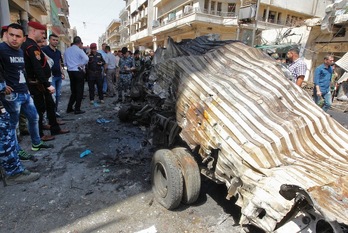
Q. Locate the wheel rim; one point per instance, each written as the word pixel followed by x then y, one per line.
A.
pixel 160 180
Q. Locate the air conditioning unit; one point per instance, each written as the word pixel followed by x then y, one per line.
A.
pixel 155 23
pixel 188 9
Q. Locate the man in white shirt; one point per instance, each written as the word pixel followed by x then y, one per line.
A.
pixel 76 59
pixel 110 70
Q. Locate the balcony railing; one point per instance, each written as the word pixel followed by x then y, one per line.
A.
pixel 248 2
pixel 206 11
pixel 112 34
pixel 193 10
pixel 288 23
pixel 39 4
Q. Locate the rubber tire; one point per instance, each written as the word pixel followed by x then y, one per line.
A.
pixel 167 181
pixel 191 175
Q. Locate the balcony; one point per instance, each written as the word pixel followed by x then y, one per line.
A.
pixel 195 14
pixel 113 34
pixel 60 30
pixel 40 4
pixel 63 18
pixel 264 23
pixel 248 3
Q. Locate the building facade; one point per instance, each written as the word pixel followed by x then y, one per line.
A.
pixel 53 13
pixel 59 22
pixel 149 23
pixel 112 35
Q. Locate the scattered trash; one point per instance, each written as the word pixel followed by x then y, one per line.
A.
pixel 86 152
pixel 102 120
pixel 105 170
pixel 95 104
pixel 151 229
pixel 89 193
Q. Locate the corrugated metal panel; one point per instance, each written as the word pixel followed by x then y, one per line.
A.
pixel 343 62
pixel 268 131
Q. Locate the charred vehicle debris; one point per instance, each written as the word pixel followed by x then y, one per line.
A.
pixel 244 125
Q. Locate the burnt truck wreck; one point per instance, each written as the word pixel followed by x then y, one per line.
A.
pixel 245 125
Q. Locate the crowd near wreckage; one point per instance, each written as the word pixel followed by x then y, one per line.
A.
pixel 245 125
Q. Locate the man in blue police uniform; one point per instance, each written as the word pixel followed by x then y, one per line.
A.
pixel 127 66
pixel 94 73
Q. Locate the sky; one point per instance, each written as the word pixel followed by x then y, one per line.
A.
pixel 91 17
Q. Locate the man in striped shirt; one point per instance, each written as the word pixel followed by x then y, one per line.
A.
pixel 297 67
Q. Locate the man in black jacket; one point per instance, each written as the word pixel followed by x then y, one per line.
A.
pixel 38 74
pixel 94 73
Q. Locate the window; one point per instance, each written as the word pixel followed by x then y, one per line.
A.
pixel 272 16
pixel 206 4
pixel 212 6
pixel 279 19
pixel 218 9
pixel 231 8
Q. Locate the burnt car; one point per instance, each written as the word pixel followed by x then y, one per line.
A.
pixel 241 122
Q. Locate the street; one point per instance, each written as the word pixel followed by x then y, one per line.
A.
pixel 108 190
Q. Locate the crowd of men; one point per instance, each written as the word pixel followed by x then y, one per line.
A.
pixel 31 74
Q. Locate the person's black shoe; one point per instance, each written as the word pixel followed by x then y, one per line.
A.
pixel 79 112
pixel 69 110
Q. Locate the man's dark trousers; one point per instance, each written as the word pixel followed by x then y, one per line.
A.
pixel 77 82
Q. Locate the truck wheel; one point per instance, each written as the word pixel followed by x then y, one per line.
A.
pixel 191 175
pixel 167 181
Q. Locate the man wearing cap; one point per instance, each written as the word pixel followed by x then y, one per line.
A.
pixel 38 74
pixel 127 66
pixel 94 73
pixel 75 59
pixel 110 69
pixel 17 96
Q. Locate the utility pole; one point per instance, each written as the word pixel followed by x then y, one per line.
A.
pixel 255 24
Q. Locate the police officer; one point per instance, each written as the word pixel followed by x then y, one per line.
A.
pixel 94 73
pixel 38 74
pixel 139 63
pixel 127 67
